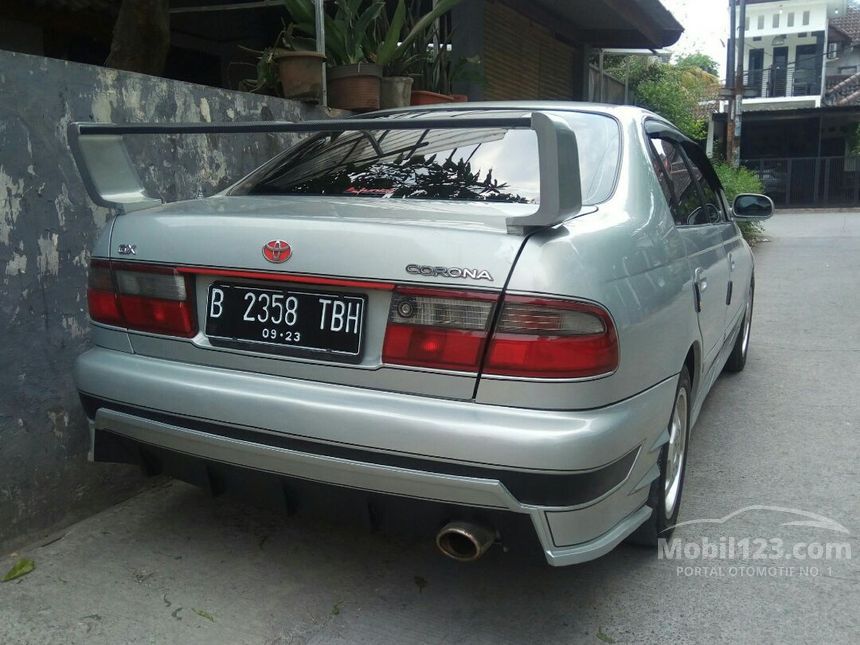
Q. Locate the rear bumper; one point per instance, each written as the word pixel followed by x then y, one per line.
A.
pixel 582 477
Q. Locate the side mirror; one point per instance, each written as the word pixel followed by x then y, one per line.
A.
pixel 750 207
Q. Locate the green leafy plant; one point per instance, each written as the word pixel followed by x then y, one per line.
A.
pixel 388 31
pixel 736 181
pixel 289 40
pixel 362 31
pixel 439 72
pixel 392 47
pixel 21 568
pixel 700 60
pixel 347 33
pixel 402 55
pixel 683 93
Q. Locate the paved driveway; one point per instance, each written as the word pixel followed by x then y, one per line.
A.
pixel 174 566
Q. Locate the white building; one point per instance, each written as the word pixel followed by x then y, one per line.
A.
pixel 795 52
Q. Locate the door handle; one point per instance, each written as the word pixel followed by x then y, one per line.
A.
pixel 701 279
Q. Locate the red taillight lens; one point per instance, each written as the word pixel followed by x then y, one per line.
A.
pixel 547 338
pixel 146 298
pixel 101 295
pixel 533 337
pixel 159 316
pixel 437 328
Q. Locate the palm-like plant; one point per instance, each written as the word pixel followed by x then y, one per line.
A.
pixel 399 53
pixel 361 30
pixel 347 33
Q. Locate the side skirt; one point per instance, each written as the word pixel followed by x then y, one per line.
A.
pixel 715 371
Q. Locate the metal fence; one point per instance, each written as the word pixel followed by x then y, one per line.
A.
pixel 809 181
pixel 784 81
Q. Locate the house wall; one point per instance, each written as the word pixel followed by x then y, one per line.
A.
pixel 47 228
pixel 846 64
pixel 523 59
pixel 818 10
pixel 789 24
pixel 792 42
pixel 760 29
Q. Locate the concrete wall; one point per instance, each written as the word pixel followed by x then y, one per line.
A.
pixel 47 227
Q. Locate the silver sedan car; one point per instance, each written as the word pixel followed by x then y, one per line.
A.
pixel 495 320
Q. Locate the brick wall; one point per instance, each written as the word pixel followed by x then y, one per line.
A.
pixel 543 65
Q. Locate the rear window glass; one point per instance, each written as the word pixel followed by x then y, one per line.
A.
pixel 486 164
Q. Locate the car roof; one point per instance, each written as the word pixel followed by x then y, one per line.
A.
pixel 622 112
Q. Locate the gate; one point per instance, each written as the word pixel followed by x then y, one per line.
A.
pixel 809 181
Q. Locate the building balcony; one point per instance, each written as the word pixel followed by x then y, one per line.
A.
pixel 782 82
pixel 786 86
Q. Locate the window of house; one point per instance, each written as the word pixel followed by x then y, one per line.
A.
pixel 775 20
pixel 756 38
pixel 790 19
pixel 805 17
pixel 847 71
pixel 760 24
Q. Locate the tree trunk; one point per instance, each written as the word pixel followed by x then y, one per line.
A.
pixel 141 37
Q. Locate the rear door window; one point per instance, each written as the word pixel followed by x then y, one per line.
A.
pixel 686 204
pixel 713 206
pixel 486 164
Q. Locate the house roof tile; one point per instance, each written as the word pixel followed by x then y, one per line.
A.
pixel 849 24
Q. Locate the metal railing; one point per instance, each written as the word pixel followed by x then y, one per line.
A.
pixel 782 81
pixel 809 181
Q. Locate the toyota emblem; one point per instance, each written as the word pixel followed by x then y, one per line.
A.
pixel 277 251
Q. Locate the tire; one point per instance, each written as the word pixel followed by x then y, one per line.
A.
pixel 738 358
pixel 665 494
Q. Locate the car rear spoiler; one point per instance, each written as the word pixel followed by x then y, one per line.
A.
pixel 111 180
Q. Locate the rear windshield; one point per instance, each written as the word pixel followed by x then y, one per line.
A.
pixel 486 164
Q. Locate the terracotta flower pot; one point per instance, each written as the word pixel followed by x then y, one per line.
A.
pixel 423 97
pixel 395 91
pixel 354 87
pixel 301 74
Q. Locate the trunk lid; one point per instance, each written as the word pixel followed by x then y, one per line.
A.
pixel 351 237
pixel 354 247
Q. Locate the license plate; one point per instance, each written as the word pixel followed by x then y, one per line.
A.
pixel 286 319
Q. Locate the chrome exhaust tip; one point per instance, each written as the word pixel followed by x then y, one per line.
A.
pixel 465 541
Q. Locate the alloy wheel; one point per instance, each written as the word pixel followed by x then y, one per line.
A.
pixel 675 453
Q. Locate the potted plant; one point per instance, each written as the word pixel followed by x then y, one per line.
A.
pixel 428 86
pixel 396 83
pixel 401 56
pixel 299 66
pixel 353 81
pixel 291 63
pixel 435 84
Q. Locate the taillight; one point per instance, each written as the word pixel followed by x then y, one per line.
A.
pixel 549 338
pixel 532 337
pixel 101 295
pixel 437 328
pixel 141 297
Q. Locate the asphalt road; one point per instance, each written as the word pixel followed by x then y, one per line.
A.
pixel 175 566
